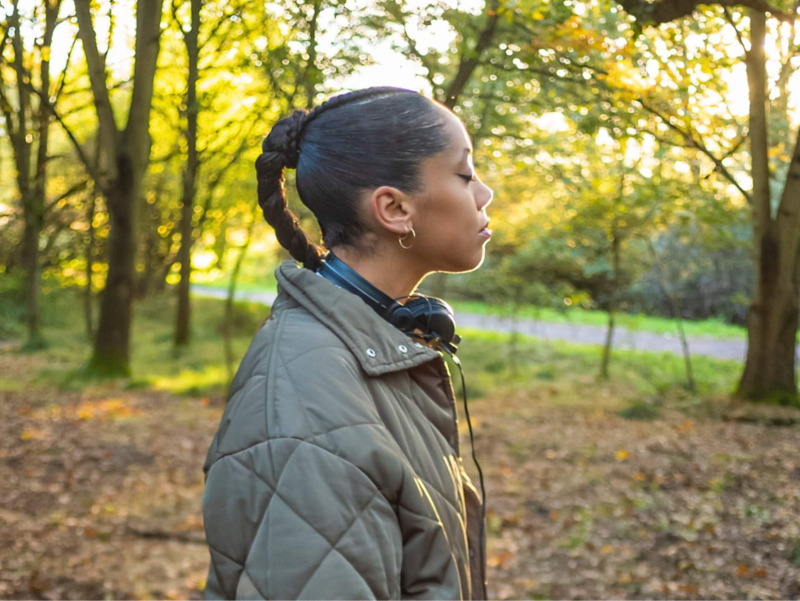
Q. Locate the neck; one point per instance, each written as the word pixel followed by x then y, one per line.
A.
pixel 393 275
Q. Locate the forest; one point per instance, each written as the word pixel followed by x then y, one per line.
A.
pixel 630 341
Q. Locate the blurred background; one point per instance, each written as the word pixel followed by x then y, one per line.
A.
pixel 629 342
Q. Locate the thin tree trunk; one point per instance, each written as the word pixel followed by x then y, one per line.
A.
pixel 687 357
pixel 676 315
pixel 606 361
pixel 227 335
pixel 312 73
pixel 513 345
pixel 615 253
pixel 88 297
pixel 183 317
pixel 35 213
pixel 33 272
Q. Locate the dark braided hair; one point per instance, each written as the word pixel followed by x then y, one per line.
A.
pixel 374 137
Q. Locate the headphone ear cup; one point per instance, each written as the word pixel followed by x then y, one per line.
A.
pixel 401 318
pixel 435 314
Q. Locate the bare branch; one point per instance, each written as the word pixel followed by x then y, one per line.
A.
pixel 97 78
pixel 63 80
pixel 467 64
pixel 90 167
pixel 693 142
pixel 736 29
pixel 73 190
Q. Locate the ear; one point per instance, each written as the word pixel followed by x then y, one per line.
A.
pixel 393 209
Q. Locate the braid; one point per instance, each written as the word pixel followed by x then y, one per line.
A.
pixel 281 149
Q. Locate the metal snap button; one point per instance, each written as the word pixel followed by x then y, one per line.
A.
pixel 370 352
pixel 403 348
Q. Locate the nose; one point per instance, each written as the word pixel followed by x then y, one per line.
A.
pixel 484 196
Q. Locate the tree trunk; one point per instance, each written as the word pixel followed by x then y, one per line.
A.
pixel 182 324
pixel 112 340
pixel 612 302
pixel 227 335
pixel 126 154
pixel 87 293
pixel 606 361
pixel 34 210
pixel 769 372
pixel 675 311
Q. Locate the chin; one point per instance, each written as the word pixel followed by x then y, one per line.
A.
pixel 463 264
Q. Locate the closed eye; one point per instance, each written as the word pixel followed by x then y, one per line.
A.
pixel 467 178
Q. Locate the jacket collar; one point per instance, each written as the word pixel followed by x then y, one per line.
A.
pixel 379 347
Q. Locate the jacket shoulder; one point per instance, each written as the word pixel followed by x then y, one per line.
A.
pixel 296 380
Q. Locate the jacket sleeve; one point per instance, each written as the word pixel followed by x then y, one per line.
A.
pixel 287 519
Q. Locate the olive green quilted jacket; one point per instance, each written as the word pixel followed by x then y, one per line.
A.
pixel 336 472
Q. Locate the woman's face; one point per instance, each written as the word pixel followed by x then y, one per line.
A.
pixel 452 210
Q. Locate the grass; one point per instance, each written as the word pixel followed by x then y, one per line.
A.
pixel 570 371
pixel 155 363
pixel 711 328
pixel 493 363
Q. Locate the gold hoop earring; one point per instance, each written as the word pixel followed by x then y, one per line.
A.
pixel 401 240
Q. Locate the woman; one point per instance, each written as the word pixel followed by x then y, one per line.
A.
pixel 336 471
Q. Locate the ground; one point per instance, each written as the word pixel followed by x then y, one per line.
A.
pixel 103 490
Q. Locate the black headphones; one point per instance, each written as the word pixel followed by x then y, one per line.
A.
pixel 426 316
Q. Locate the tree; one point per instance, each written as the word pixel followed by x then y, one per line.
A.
pixel 125 157
pixel 27 121
pixel 190 39
pixel 774 313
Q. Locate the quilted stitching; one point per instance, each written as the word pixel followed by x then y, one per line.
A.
pixel 341 536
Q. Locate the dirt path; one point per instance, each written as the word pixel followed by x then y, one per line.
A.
pixel 732 349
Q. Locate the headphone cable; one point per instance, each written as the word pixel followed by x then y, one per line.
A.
pixel 474 458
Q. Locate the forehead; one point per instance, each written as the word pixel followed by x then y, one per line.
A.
pixel 459 138
pixel 458 133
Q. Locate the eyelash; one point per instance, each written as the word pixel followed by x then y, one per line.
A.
pixel 468 178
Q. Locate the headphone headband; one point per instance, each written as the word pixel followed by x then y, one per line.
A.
pixel 431 316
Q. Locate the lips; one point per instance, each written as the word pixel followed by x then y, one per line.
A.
pixel 485 231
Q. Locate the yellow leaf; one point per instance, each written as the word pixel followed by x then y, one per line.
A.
pixel 607 549
pixel 498 560
pixel 622 455
pixel 31 434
